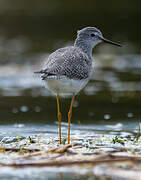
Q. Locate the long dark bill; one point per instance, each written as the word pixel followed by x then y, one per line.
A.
pixel 110 42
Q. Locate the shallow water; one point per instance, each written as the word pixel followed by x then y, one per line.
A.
pixel 84 133
pixel 110 104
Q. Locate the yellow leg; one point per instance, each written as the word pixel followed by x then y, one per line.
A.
pixel 59 118
pixel 69 117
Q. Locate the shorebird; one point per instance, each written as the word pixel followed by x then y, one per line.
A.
pixel 68 70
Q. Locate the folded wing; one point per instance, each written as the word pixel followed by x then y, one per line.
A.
pixel 70 62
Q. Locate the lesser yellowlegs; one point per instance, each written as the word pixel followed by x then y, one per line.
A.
pixel 68 70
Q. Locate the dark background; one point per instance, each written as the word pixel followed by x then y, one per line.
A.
pixel 30 30
pixel 46 22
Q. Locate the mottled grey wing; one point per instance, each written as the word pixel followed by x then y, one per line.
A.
pixel 77 64
pixel 52 64
pixel 70 62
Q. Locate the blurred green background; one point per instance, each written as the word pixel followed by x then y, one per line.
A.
pixel 111 102
pixel 46 22
pixel 30 30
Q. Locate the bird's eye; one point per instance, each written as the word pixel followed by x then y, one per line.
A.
pixel 92 35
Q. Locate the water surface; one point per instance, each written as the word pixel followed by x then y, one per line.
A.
pixel 109 104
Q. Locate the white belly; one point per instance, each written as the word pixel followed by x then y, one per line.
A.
pixel 65 86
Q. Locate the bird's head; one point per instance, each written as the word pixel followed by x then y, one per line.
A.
pixel 93 36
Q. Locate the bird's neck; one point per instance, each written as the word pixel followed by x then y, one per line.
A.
pixel 85 46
